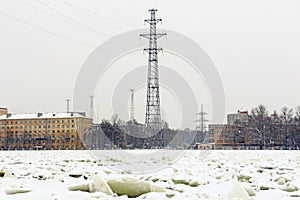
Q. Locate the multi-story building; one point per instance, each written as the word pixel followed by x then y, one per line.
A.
pixel 43 130
pixel 238 118
pixel 3 111
pixel 228 135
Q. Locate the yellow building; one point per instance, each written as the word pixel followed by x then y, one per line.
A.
pixel 43 130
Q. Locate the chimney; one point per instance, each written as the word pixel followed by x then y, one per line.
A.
pixel 8 115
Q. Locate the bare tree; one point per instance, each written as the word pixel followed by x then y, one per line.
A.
pixel 297 112
pixel 260 122
pixel 286 116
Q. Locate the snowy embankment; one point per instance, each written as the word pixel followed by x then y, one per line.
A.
pixel 112 175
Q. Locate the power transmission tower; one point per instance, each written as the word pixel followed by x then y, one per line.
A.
pixel 131 105
pixel 201 124
pixel 153 118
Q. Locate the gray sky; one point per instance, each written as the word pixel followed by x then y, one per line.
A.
pixel 255 46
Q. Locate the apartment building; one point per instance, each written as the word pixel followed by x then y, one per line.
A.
pixel 43 130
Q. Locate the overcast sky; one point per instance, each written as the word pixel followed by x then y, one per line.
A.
pixel 255 46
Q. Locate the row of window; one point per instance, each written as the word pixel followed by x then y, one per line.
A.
pixel 37 121
pixel 53 131
pixel 49 126
pixel 30 142
pixel 63 136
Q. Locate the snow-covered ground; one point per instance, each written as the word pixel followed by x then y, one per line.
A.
pixel 145 174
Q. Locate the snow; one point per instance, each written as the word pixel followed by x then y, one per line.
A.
pixel 49 115
pixel 172 174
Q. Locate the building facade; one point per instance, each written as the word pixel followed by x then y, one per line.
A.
pixel 43 130
pixel 238 118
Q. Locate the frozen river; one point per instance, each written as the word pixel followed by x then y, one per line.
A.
pixel 146 174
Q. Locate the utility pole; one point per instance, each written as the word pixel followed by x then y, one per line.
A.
pixel 153 117
pixel 68 105
pixel 131 105
pixel 92 107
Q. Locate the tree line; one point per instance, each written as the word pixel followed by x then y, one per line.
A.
pixel 278 129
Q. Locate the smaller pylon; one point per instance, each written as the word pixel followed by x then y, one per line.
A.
pixel 131 105
pixel 201 121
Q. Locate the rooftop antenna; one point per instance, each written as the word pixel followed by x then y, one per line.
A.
pixel 92 107
pixel 68 105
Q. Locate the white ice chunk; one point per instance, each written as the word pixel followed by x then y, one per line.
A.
pixel 17 191
pixel 132 187
pixel 100 185
pixel 236 192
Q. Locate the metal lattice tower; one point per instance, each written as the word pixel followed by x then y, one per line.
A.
pixel 153 118
pixel 201 127
pixel 131 105
pixel 201 121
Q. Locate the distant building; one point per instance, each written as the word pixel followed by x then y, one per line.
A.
pixel 238 118
pixel 227 135
pixel 43 130
pixel 3 111
pixel 234 134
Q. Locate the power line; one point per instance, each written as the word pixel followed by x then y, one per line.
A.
pixel 44 30
pixel 74 22
pixel 118 12
pixel 87 13
pixel 82 25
